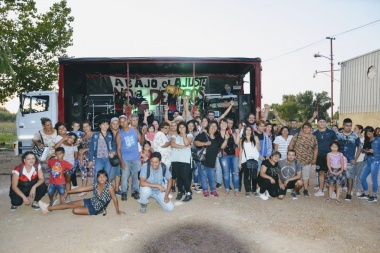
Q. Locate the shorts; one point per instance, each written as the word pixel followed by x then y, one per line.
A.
pixel 332 179
pixel 56 187
pixel 91 210
pixel 290 185
pixel 306 171
pixel 350 172
pixel 322 163
pixel 71 172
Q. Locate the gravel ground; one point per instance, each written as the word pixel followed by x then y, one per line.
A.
pixel 224 224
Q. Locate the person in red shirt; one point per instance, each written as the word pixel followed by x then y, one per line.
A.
pixel 57 180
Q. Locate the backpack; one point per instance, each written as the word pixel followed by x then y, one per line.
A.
pixel 344 162
pixel 148 170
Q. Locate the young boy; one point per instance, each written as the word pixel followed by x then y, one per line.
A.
pixel 75 126
pixel 57 180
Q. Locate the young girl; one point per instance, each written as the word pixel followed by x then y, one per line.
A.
pixel 150 134
pixel 335 163
pixel 146 152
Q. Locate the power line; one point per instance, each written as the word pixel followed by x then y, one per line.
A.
pixel 319 41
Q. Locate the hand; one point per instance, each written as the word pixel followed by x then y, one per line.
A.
pixel 262 158
pixel 90 165
pixel 166 108
pixel 286 182
pixel 166 199
pixel 122 165
pixel 237 131
pixel 275 113
pixel 315 115
pixel 227 135
pixel 146 113
pixel 161 188
pixel 65 196
pixel 26 201
pixel 266 106
pixel 232 102
pixel 272 181
pixel 239 165
pixel 111 154
pixel 32 192
pixel 208 143
pixel 314 162
pixel 258 109
pixel 353 162
pixel 282 186
pixel 120 212
pixel 41 145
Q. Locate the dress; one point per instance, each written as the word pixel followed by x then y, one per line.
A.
pixel 331 179
pixel 85 171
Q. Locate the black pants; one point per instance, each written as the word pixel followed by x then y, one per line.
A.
pixel 250 178
pixel 182 171
pixel 266 185
pixel 16 200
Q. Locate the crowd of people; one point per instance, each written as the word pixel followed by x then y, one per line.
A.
pixel 191 154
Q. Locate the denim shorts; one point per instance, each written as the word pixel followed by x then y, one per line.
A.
pixel 56 187
pixel 90 207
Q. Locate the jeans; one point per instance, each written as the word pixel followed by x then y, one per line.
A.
pixel 371 167
pixel 115 171
pixel 230 166
pixel 266 185
pixel 183 172
pixel 102 163
pixel 148 192
pixel 207 174
pixel 250 178
pixel 196 173
pixel 218 172
pixel 133 167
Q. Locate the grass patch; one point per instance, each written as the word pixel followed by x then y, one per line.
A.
pixel 8 134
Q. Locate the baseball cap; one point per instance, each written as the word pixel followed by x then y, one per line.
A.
pixel 114 119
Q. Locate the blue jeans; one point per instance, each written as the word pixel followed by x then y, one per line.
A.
pixel 207 174
pixel 196 173
pixel 218 172
pixel 133 167
pixel 56 187
pixel 148 192
pixel 371 167
pixel 102 163
pixel 230 166
pixel 115 171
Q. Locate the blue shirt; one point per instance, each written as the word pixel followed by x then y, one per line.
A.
pixel 348 144
pixel 155 176
pixel 324 140
pixel 129 145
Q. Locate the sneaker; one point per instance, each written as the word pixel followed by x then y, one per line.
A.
pixel 124 196
pixel 36 207
pixel 316 187
pixel 55 201
pixel 298 193
pixel 306 193
pixel 293 195
pixel 206 194
pixel 363 196
pixel 333 195
pixel 187 198
pixel 44 206
pixel 193 186
pixel 345 189
pixel 319 194
pixel 288 190
pixel 358 194
pixel 13 208
pixel 218 185
pixel 173 188
pixel 214 194
pixel 338 202
pixel 82 194
pixel 248 195
pixel 263 197
pixel 372 199
pixel 256 194
pixel 136 195
pixel 348 197
pixel 68 199
pixel 267 194
pixel 143 208
pixel 328 200
pixel 179 196
pixel 197 189
pixel 118 193
pixel 74 187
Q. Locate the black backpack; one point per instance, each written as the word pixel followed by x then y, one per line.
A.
pixel 148 170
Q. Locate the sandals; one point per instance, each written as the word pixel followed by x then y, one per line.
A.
pixel 328 200
pixel 337 202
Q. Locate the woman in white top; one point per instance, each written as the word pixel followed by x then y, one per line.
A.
pixel 282 142
pixel 248 159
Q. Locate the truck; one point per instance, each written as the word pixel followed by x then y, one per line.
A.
pixel 96 88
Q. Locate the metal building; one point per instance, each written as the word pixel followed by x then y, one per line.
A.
pixel 360 89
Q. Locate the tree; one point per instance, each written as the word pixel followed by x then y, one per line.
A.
pixel 35 41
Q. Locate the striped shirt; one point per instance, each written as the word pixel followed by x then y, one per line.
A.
pixel 283 145
pixel 100 202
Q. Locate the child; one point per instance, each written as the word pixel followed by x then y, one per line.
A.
pixel 75 126
pixel 57 179
pixel 71 155
pixel 146 152
pixel 335 163
pixel 150 134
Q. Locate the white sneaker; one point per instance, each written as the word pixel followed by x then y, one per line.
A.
pixel 316 187
pixel 358 194
pixel 325 189
pixel 289 190
pixel 319 194
pixel 263 197
pixel 267 194
pixel 345 189
pixel 43 206
pixel 333 195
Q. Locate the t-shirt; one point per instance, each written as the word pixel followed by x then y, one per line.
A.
pixel 212 150
pixel 159 140
pixel 271 169
pixel 288 170
pixel 230 149
pixel 49 140
pixel 305 147
pixel 348 144
pixel 57 170
pixel 294 131
pixel 283 145
pixel 155 176
pixel 324 140
pixel 69 153
pixel 182 155
pixel 129 145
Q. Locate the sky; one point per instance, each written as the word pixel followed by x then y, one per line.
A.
pixel 240 28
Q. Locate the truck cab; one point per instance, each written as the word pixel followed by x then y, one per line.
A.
pixel 34 106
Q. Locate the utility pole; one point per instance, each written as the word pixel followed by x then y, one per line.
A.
pixel 332 78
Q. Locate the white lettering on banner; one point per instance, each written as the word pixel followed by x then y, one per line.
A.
pixel 153 89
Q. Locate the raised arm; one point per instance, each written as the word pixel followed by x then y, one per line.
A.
pixel 283 122
pixel 232 102
pixel 315 115
pixel 266 112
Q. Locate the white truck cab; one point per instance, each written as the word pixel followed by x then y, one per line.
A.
pixel 34 106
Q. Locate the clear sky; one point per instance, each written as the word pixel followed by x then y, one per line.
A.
pixel 239 28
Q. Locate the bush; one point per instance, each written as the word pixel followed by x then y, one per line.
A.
pixel 5 115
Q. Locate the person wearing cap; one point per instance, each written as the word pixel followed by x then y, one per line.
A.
pixel 324 138
pixel 127 142
pixel 116 171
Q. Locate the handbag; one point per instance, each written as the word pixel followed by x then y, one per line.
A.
pixel 199 154
pixel 114 161
pixel 251 163
pixel 37 150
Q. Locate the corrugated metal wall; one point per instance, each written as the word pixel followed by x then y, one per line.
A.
pixel 358 93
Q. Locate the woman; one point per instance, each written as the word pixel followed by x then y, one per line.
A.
pixel 248 159
pixel 161 143
pixel 103 192
pixel 71 155
pixel 268 178
pixel 229 161
pixel 156 124
pixel 27 182
pixel 181 158
pixel 372 149
pixel 83 155
pixel 360 162
pixel 306 146
pixel 48 135
pixel 269 129
pixel 191 127
pixel 282 141
pixel 213 142
pixel 101 149
pixel 203 126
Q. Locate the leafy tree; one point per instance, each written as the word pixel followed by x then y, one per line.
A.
pixel 35 41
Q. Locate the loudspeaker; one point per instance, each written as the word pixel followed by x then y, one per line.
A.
pixel 245 106
pixel 76 106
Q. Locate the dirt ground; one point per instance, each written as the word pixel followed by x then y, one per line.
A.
pixel 225 224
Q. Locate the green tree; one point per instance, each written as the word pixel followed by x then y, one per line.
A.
pixel 324 103
pixel 35 41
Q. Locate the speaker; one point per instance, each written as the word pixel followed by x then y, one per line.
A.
pixel 245 106
pixel 76 106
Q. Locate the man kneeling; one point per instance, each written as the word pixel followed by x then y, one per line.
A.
pixel 154 181
pixel 290 175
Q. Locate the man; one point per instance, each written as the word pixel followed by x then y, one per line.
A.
pixel 349 141
pixel 290 172
pixel 127 144
pixel 211 114
pixel 324 138
pixel 265 142
pixel 115 171
pixel 155 186
pixel 227 90
pixel 293 123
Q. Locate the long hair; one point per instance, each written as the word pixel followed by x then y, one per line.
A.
pixel 244 137
pixel 366 130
